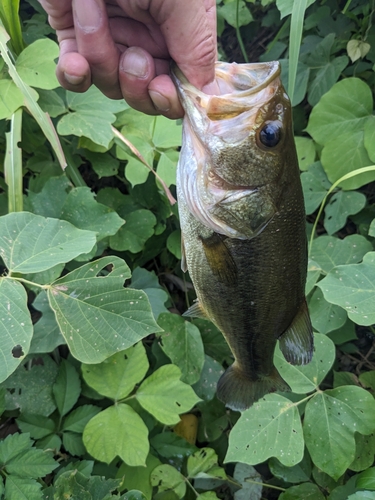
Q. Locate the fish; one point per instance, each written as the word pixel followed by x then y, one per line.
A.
pixel 243 226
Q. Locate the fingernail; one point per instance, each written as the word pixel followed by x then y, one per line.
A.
pixel 88 14
pixel 134 63
pixel 73 79
pixel 161 103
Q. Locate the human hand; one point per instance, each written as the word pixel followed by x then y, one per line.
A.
pixel 124 47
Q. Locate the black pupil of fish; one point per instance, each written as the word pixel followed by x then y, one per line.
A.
pixel 270 134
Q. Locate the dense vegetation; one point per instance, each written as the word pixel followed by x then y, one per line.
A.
pixel 107 392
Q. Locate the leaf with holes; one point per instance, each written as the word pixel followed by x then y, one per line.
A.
pixel 340 206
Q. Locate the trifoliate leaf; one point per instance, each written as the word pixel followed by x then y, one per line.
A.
pixel 101 436
pixel 164 395
pixel 269 428
pixel 96 315
pixel 30 243
pixel 117 376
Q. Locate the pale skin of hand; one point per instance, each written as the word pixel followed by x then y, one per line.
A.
pixel 125 47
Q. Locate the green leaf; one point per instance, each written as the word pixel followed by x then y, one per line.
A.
pixel 182 343
pixel 104 164
pixel 169 445
pixel 17 488
pixel 313 273
pixel 366 479
pixel 202 461
pixel 149 283
pixel 167 133
pixel 214 342
pixel 30 390
pixel 96 315
pixel 302 78
pixel 205 388
pixel 298 474
pixel 229 12
pixel 11 98
pixel 165 478
pixel 315 185
pixel 325 317
pixel 251 482
pixel 352 288
pixel 37 426
pixel 67 387
pixel 270 428
pixel 286 6
pixel 30 243
pixel 50 200
pixel 369 137
pixel 73 444
pixel 51 103
pixel 76 485
pixel 330 252
pixel 13 445
pixel 47 335
pixel 362 495
pixel 340 206
pixel 164 395
pixel 329 119
pixel 36 64
pixel 304 379
pixel 139 227
pixel 357 49
pixel 345 154
pixel 77 419
pixel 167 166
pixel 81 210
pixel 364 452
pixel 138 478
pixel 305 152
pixel 16 328
pixel 307 491
pixel 174 243
pixel 117 376
pixel 101 436
pixel 332 417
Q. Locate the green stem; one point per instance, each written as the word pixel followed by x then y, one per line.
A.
pixel 238 33
pixel 347 5
pixel 13 164
pixel 71 168
pixel 27 282
pixel 191 486
pixel 265 485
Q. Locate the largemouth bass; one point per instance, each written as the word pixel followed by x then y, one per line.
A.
pixel 243 224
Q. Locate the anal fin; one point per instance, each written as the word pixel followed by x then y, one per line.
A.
pixel 195 311
pixel 297 342
pixel 220 259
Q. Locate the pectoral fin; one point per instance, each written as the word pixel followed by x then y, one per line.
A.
pixel 297 342
pixel 183 256
pixel 220 259
pixel 195 311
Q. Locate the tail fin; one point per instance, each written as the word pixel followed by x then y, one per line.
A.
pixel 238 392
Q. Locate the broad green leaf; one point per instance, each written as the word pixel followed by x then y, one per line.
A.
pixel 344 334
pixel 73 444
pixel 50 200
pixel 36 64
pixel 313 272
pixel 149 283
pixel 364 452
pixel 83 211
pixel 138 478
pixel 104 164
pixel 169 445
pixel 315 185
pixel 67 387
pixel 352 288
pixel 202 461
pixel 213 341
pixel 164 395
pixel 325 316
pixel 330 252
pixel 213 422
pixel 19 488
pixel 12 446
pixel 366 479
pixel 340 206
pixel 96 315
pixel 298 474
pixel 51 103
pixel 76 485
pixel 344 154
pixel 357 49
pixel 307 491
pixel 30 388
pixel 167 167
pixel 165 477
pixel 325 78
pixel 286 6
pixel 369 137
pixel 11 98
pixel 270 428
pixel 77 419
pixel 362 495
pixel 16 328
pixel 305 152
pixel 166 133
pixel 117 376
pixel 331 418
pixel 304 379
pixel 367 379
pixel 30 243
pixel 47 335
pixel 182 343
pixel 205 388
pixel 37 426
pixel 138 228
pixel 229 12
pixel 302 78
pixel 251 482
pixel 330 120
pixel 174 243
pixel 101 436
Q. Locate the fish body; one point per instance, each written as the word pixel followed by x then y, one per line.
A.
pixel 243 224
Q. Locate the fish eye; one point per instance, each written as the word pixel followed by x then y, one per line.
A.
pixel 270 134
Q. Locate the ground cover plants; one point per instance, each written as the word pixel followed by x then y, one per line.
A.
pixel 106 391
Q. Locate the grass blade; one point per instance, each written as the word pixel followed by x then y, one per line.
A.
pixel 13 164
pixel 11 21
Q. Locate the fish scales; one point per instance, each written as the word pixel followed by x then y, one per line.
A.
pixel 243 225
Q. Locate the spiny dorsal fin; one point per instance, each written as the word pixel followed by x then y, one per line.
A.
pixel 195 311
pixel 297 342
pixel 220 259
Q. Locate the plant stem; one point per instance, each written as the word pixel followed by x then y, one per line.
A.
pixel 238 33
pixel 27 282
pixel 347 5
pixel 265 485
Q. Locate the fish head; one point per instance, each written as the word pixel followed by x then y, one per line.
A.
pixel 238 147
